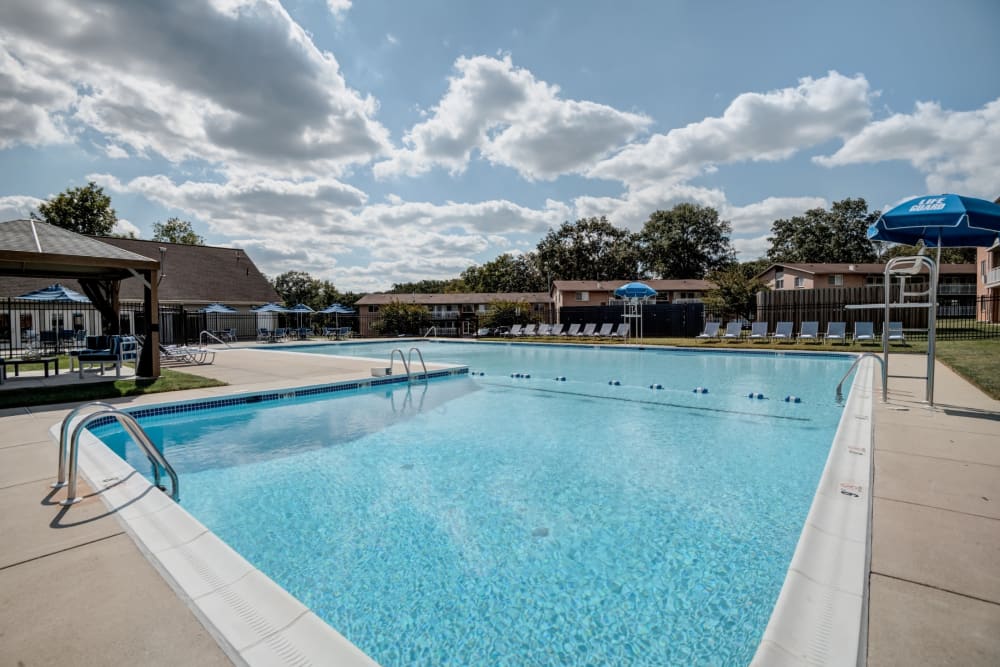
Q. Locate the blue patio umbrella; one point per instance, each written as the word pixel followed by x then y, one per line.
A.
pixel 218 308
pixel 270 308
pixel 55 294
pixel 635 291
pixel 300 308
pixel 940 221
pixel 337 310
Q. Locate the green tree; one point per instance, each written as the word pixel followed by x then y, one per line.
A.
pixel 948 255
pixel 299 287
pixel 735 291
pixel 506 273
pixel 588 249
pixel 84 210
pixel 821 236
pixel 175 230
pixel 450 286
pixel 506 313
pixel 398 318
pixel 688 241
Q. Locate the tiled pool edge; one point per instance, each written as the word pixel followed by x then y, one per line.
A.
pixel 820 614
pixel 254 621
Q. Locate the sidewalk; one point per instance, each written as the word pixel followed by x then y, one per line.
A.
pixel 935 572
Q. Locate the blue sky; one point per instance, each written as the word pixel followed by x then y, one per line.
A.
pixel 373 142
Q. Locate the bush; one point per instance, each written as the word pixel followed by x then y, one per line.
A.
pixel 506 313
pixel 399 318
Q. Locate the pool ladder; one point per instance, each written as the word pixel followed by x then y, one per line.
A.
pixel 408 362
pixel 885 388
pixel 131 426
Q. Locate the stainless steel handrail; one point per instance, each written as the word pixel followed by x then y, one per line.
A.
pixel 129 423
pixel 885 388
pixel 406 366
pixel 64 437
pixel 208 334
pixel 419 356
pixel 427 333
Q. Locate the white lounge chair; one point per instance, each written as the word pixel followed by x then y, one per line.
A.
pixel 544 330
pixel 782 331
pixel 809 331
pixel 864 332
pixel 711 331
pixel 605 330
pixel 622 331
pixel 574 330
pixel 734 331
pixel 186 355
pixel 557 329
pixel 836 331
pixel 588 330
pixel 515 330
pixel 758 331
pixel 528 330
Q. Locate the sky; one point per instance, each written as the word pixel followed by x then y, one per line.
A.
pixel 372 142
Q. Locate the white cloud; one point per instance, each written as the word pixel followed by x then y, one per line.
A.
pixel 390 38
pixel 755 126
pixel 956 150
pixel 749 249
pixel 32 108
pixel 116 152
pixel 238 83
pixel 338 7
pixel 125 228
pixel 513 120
pixel 758 217
pixel 16 207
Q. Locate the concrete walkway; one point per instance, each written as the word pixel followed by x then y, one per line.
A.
pixel 74 589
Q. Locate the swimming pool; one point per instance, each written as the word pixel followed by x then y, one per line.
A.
pixel 504 520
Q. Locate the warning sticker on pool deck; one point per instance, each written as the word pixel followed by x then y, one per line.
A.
pixel 850 489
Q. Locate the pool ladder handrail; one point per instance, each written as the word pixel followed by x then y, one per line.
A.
pixel 885 388
pixel 131 426
pixel 208 334
pixel 407 362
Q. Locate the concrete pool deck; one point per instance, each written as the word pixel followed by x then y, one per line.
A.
pixel 75 588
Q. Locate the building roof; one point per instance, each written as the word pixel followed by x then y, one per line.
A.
pixel 457 298
pixel 863 269
pixel 189 274
pixel 660 285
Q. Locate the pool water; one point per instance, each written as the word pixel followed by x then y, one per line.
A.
pixel 497 520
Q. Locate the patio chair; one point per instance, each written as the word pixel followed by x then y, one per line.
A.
pixel 588 330
pixel 557 329
pixel 574 330
pixel 544 329
pixel 782 331
pixel 864 332
pixel 895 333
pixel 711 331
pixel 734 331
pixel 622 331
pixel 605 330
pixel 515 330
pixel 264 335
pixel 529 330
pixel 345 332
pixel 122 349
pixel 758 332
pixel 836 331
pixel 187 355
pixel 809 331
pixel 229 335
pixel 280 333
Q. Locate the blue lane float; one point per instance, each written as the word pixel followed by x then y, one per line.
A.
pixel 656 386
pixel 521 375
pixel 560 378
pixel 757 395
pixel 616 383
pixel 792 399
pixel 700 390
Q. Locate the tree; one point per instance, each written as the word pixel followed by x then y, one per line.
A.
pixel 299 287
pixel 821 236
pixel 175 230
pixel 588 249
pixel 735 291
pixel 397 318
pixel 84 210
pixel 506 313
pixel 688 241
pixel 506 273
pixel 450 286
pixel 948 255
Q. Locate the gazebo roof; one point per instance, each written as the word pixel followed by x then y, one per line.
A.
pixel 33 248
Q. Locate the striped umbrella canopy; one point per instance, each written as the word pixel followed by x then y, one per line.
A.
pixel 218 308
pixel 55 293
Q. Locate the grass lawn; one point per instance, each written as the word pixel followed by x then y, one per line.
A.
pixel 978 361
pixel 170 380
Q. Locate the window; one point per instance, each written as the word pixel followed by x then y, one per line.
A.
pixel 583 296
pixel 800 281
pixel 779 279
pixel 874 281
pixel 836 279
pixel 372 309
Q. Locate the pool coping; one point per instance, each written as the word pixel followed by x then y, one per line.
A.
pixel 821 615
pixel 255 621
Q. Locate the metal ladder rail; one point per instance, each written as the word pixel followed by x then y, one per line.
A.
pixel 208 334
pixel 64 437
pixel 140 437
pixel 427 334
pixel 406 366
pixel 885 378
pixel 419 356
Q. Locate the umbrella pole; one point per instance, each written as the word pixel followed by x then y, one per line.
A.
pixel 932 325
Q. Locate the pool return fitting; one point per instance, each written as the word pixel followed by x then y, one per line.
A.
pixel 131 426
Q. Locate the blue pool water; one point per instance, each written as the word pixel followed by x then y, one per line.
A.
pixel 512 521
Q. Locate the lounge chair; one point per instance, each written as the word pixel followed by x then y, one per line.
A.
pixel 809 331
pixel 588 330
pixel 734 331
pixel 544 330
pixel 557 329
pixel 280 333
pixel 896 333
pixel 574 330
pixel 864 332
pixel 782 331
pixel 186 355
pixel 605 330
pixel 836 331
pixel 264 336
pixel 758 331
pixel 515 330
pixel 622 331
pixel 711 331
pixel 529 330
pixel 330 332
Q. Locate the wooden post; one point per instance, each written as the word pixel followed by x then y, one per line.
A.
pixel 149 361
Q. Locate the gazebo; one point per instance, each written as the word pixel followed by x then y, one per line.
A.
pixel 37 249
